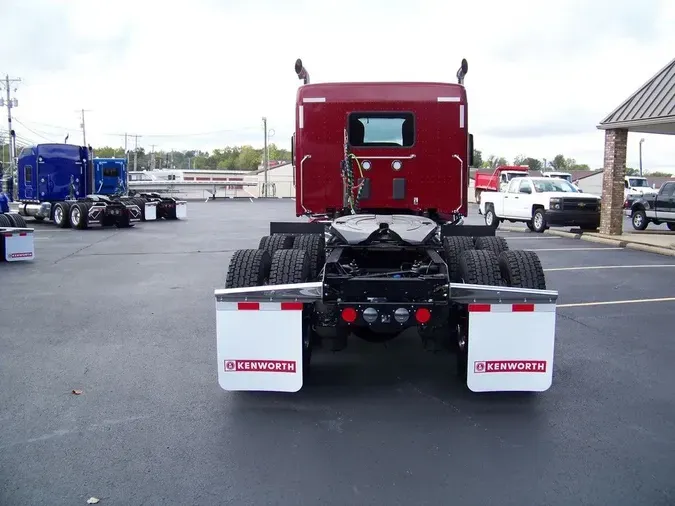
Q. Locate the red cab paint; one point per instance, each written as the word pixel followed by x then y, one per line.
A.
pixel 410 138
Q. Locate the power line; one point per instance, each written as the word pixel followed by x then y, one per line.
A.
pixel 189 134
pixel 30 130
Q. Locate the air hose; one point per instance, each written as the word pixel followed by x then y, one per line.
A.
pixel 348 176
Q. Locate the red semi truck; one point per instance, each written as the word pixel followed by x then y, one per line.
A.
pixel 381 172
pixel 495 180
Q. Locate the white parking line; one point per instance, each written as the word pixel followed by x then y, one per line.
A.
pixel 607 267
pixel 525 237
pixel 571 249
pixel 612 302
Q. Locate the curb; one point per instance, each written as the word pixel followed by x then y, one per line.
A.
pixel 638 246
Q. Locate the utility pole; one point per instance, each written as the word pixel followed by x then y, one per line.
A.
pixel 265 156
pixel 84 133
pixel 135 136
pixel 126 151
pixel 10 103
pixel 152 157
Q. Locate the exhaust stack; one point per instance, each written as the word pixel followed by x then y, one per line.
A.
pixel 301 71
pixel 463 69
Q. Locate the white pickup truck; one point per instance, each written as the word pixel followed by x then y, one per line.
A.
pixel 637 186
pixel 540 202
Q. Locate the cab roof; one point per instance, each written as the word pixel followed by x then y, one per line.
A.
pixel 382 92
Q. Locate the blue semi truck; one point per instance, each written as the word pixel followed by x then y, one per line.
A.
pixel 110 178
pixel 65 184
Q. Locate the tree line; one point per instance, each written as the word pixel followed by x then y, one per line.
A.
pixel 249 158
pixel 558 163
pixel 229 158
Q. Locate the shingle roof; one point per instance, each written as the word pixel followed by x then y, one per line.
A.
pixel 652 105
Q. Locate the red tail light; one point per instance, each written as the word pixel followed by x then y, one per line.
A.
pixel 349 314
pixel 422 315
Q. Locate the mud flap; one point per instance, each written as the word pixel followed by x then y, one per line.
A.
pixel 181 209
pixel 134 213
pixel 511 347
pixel 150 211
pixel 259 346
pixel 18 244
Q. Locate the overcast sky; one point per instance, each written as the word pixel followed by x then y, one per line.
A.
pixel 201 74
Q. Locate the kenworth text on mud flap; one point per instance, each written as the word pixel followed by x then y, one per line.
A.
pixel 381 174
pixel 16 239
pixel 58 182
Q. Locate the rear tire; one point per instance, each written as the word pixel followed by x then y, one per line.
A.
pixel 491 219
pixel 453 248
pixel 480 267
pixel 671 226
pixel 476 267
pixel 639 220
pixel 522 269
pixel 539 221
pixel 248 267
pixel 272 243
pixel 79 215
pixel 18 220
pixel 315 246
pixel 289 266
pixel 494 244
pixel 5 221
pixel 62 214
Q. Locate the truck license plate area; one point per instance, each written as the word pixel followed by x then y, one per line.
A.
pixel 259 346
pixel 511 347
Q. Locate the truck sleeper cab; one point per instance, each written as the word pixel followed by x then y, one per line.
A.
pixel 406 155
pixel 58 182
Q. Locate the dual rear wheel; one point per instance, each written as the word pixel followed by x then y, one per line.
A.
pixel 280 260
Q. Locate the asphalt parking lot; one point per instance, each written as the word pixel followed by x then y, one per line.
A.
pixel 128 318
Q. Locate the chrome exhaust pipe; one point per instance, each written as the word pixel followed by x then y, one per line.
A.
pixel 301 71
pixel 463 69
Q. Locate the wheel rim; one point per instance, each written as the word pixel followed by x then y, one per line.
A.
pixel 537 220
pixel 75 216
pixel 489 218
pixel 58 215
pixel 637 220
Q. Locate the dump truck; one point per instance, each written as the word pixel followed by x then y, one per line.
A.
pixel 381 171
pixel 497 180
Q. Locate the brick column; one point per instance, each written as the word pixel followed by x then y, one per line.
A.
pixel 611 219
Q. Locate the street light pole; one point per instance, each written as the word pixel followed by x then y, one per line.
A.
pixel 641 141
